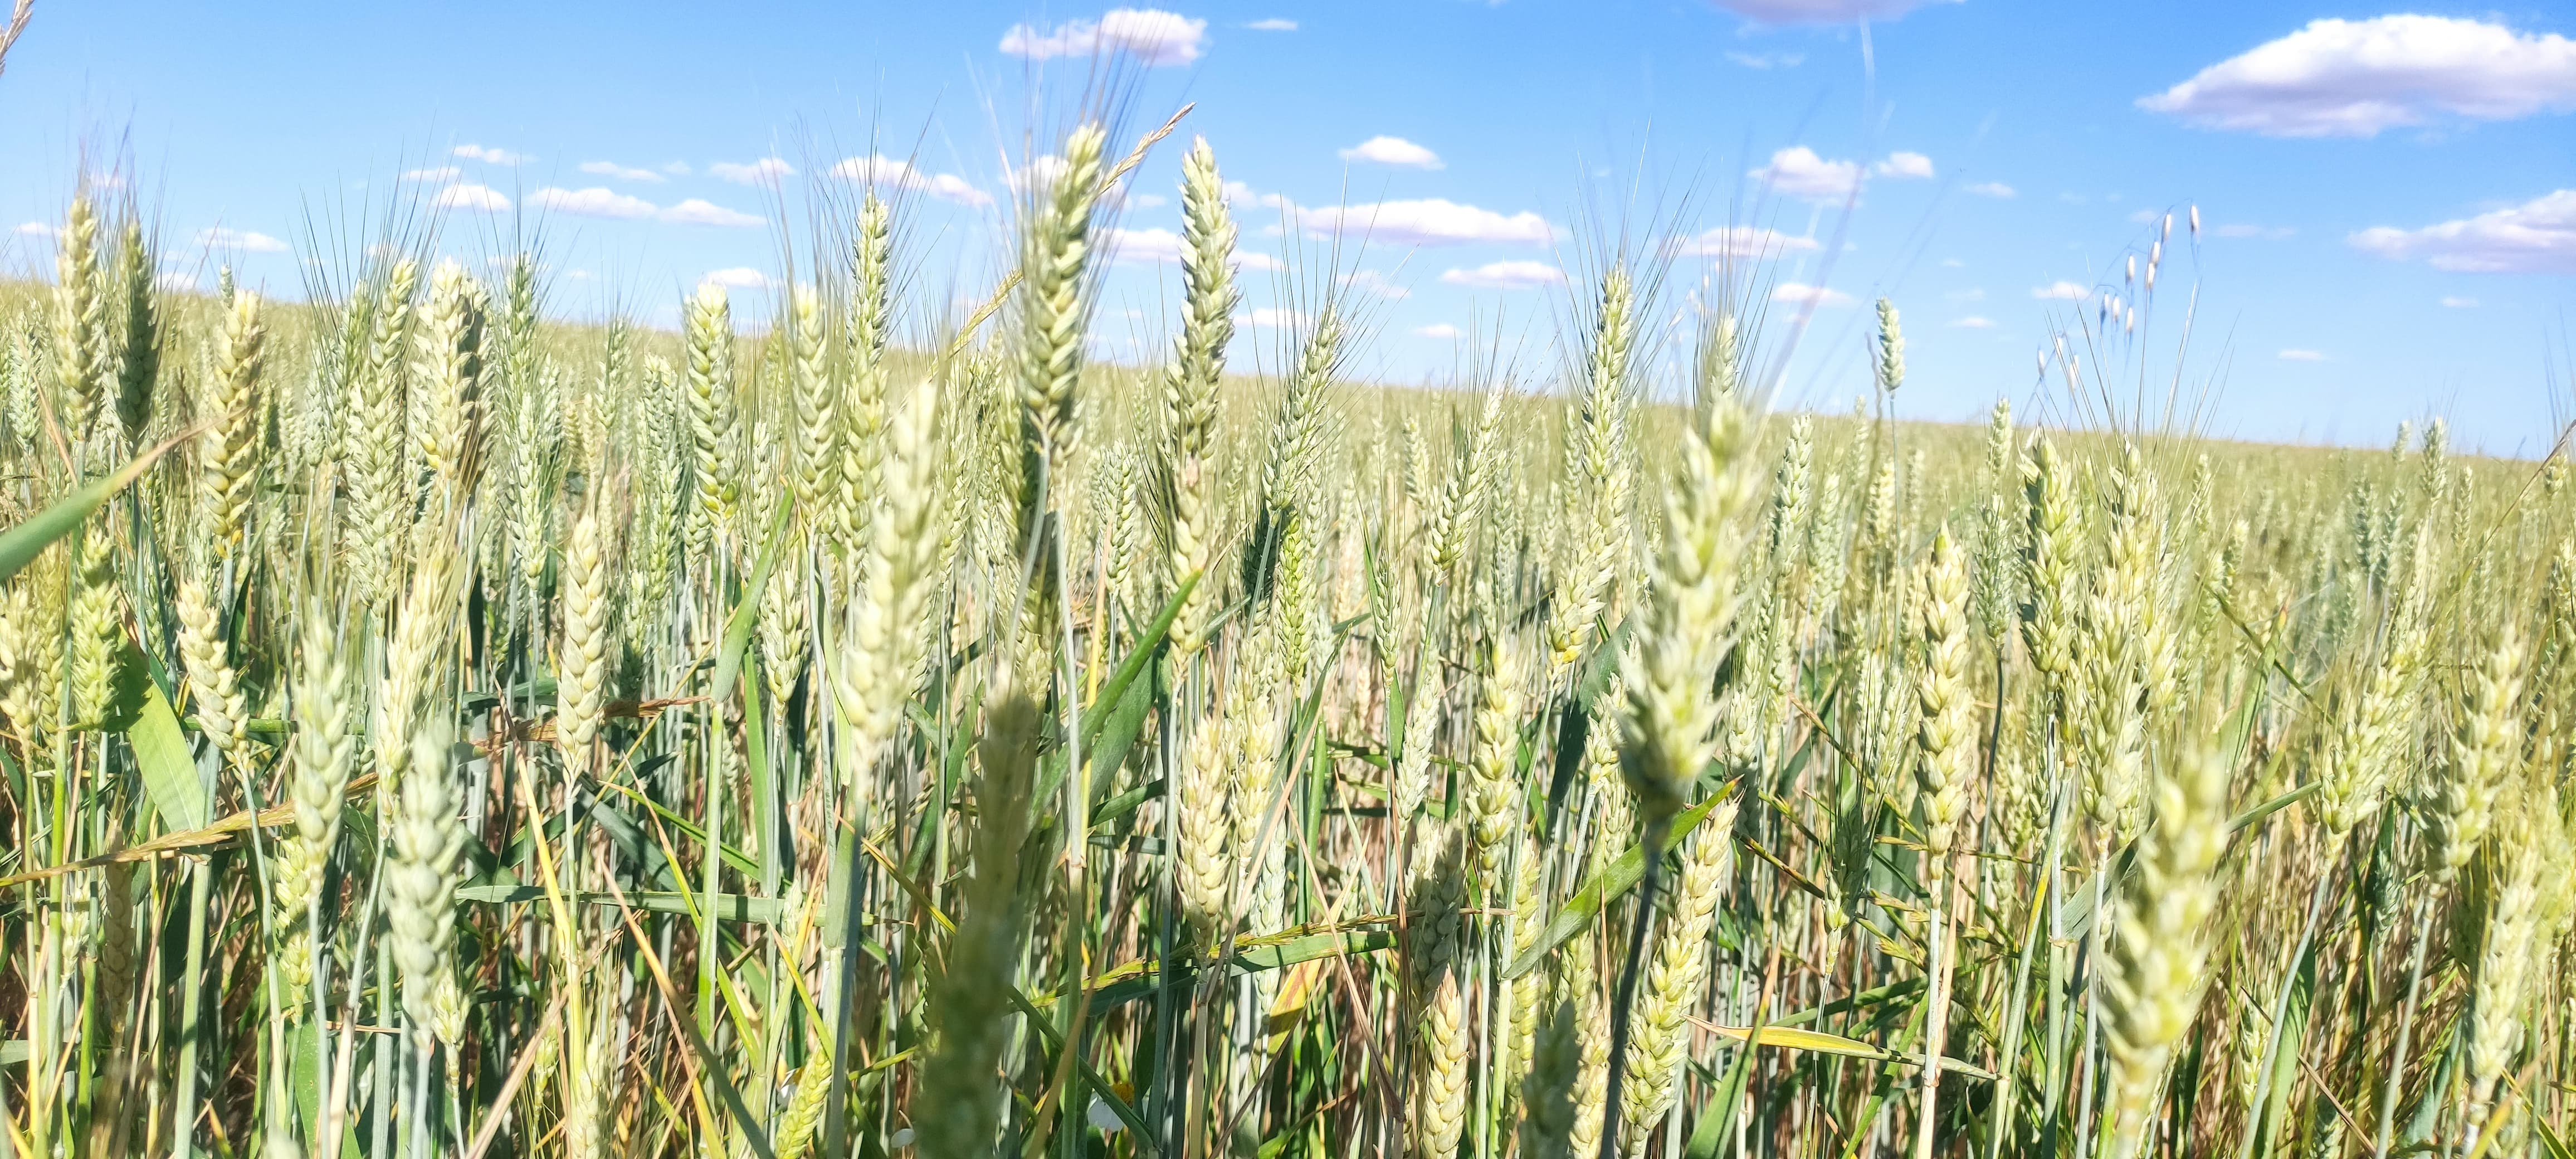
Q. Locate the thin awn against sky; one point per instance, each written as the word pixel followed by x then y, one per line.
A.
pixel 2388 197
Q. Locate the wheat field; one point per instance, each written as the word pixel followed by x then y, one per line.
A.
pixel 433 730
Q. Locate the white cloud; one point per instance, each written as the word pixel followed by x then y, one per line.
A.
pixel 1520 274
pixel 2460 303
pixel 1438 330
pixel 1799 172
pixel 736 278
pixel 1271 318
pixel 247 241
pixel 471 198
pixel 1973 322
pixel 2061 292
pixel 1256 260
pixel 621 172
pixel 1393 151
pixel 439 175
pixel 1141 245
pixel 34 229
pixel 879 169
pixel 1431 221
pixel 1274 24
pixel 596 201
pixel 2354 78
pixel 1992 189
pixel 1241 195
pixel 696 211
pixel 2240 229
pixel 1147 201
pixel 1743 241
pixel 1768 60
pixel 2535 237
pixel 2295 355
pixel 1151 35
pixel 1822 11
pixel 765 171
pixel 1802 294
pixel 1377 285
pixel 490 156
pixel 1904 164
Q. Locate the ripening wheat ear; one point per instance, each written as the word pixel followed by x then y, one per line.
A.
pixel 861 408
pixel 716 465
pixel 1598 449
pixel 322 755
pixel 2466 787
pixel 1055 249
pixel 450 367
pixel 2160 956
pixel 881 652
pixel 228 455
pixel 380 491
pixel 139 365
pixel 1661 1042
pixel 581 686
pixel 1184 480
pixel 82 355
pixel 817 465
pixel 1690 608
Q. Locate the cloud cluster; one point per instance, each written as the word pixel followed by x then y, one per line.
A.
pixel 490 156
pixel 2062 291
pixel 1799 172
pixel 765 171
pixel 620 172
pixel 2535 237
pixel 2357 78
pixel 1742 241
pixel 1521 274
pixel 1394 151
pixel 601 202
pixel 468 197
pixel 1427 221
pixel 894 173
pixel 1150 35
pixel 240 240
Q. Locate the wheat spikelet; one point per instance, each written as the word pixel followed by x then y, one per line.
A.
pixel 98 626
pixel 2483 748
pixel 139 363
pixel 1056 245
pixel 229 450
pixel 1439 1113
pixel 1945 706
pixel 31 655
pixel 1184 480
pixel 81 350
pixel 380 490
pixel 715 466
pixel 1691 604
pixel 816 470
pixel 2159 955
pixel 448 403
pixel 1601 464
pixel 581 684
pixel 1660 1041
pixel 215 691
pixel 421 879
pixel 881 654
pixel 1493 797
pixel 322 756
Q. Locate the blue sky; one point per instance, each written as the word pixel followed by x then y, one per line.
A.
pixel 2387 195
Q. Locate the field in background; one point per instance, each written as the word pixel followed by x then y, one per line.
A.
pixel 467 735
